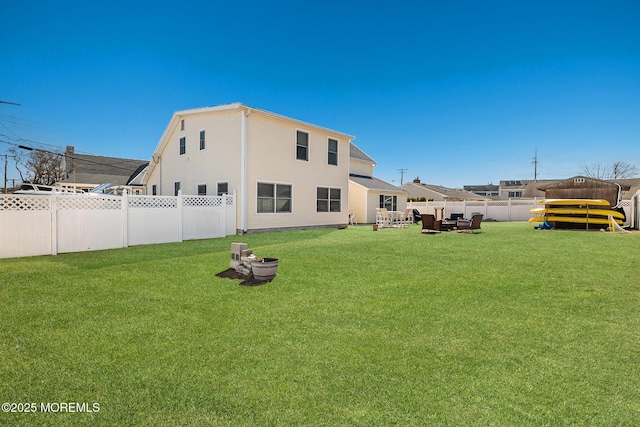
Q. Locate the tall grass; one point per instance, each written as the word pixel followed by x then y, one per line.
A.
pixel 512 326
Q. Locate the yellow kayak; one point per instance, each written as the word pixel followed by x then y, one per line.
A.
pixel 574 202
pixel 578 211
pixel 574 219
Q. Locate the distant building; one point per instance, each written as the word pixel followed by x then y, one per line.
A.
pixel 86 171
pixel 489 190
pixel 419 190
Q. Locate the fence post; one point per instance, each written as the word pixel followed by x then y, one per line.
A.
pixel 53 205
pixel 125 218
pixel 509 210
pixel 224 215
pixel 180 220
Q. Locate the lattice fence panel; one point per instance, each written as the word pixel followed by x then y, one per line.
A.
pixel 25 203
pixel 153 202
pixel 202 201
pixel 89 203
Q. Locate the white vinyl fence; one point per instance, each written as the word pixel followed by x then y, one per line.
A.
pixel 496 210
pixel 635 211
pixel 50 224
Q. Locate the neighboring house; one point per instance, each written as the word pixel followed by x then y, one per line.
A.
pixel 366 193
pixel 582 187
pixel 285 173
pixel 85 172
pixel 512 189
pixel 419 190
pixel 488 190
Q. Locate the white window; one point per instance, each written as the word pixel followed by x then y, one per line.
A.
pixel 332 148
pixel 302 145
pixel 176 187
pixel 154 190
pixel 202 140
pixel 328 199
pixel 183 145
pixel 273 198
pixel 389 202
pixel 182 124
pixel 223 188
pixel 202 189
pixel 515 193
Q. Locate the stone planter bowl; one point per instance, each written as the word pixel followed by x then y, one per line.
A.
pixel 264 270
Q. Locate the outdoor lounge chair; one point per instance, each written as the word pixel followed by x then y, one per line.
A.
pixel 382 217
pixel 428 224
pixel 469 225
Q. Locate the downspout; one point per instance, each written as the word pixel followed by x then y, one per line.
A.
pixel 243 169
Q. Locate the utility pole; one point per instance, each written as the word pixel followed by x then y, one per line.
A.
pixel 402 172
pixel 5 156
pixel 5 173
pixel 535 166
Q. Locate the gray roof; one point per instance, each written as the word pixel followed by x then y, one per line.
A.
pixel 448 193
pixel 358 154
pixel 89 169
pixel 373 183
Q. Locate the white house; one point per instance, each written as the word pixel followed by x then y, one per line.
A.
pixel 366 192
pixel 285 173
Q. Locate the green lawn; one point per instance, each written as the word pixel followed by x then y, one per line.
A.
pixel 509 327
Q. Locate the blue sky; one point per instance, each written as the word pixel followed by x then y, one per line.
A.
pixel 455 92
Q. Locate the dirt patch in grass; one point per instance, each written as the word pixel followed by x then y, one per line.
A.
pixel 231 273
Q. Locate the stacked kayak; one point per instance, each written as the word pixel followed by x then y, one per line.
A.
pixel 578 212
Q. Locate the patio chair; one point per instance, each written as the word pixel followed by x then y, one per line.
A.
pixel 469 225
pixel 428 224
pixel 382 217
pixel 407 218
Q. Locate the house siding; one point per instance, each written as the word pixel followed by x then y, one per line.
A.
pixel 359 167
pixel 219 161
pixel 272 159
pixel 358 202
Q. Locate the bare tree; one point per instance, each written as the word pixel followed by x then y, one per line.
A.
pixel 616 170
pixel 40 166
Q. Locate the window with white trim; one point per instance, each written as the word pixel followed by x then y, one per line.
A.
pixel 302 145
pixel 202 140
pixel 202 189
pixel 183 145
pixel 389 202
pixel 154 190
pixel 223 188
pixel 328 199
pixel 273 198
pixel 332 148
pixel 176 188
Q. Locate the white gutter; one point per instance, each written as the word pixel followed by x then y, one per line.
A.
pixel 244 149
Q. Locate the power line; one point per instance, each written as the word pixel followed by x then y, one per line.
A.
pixel 134 163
